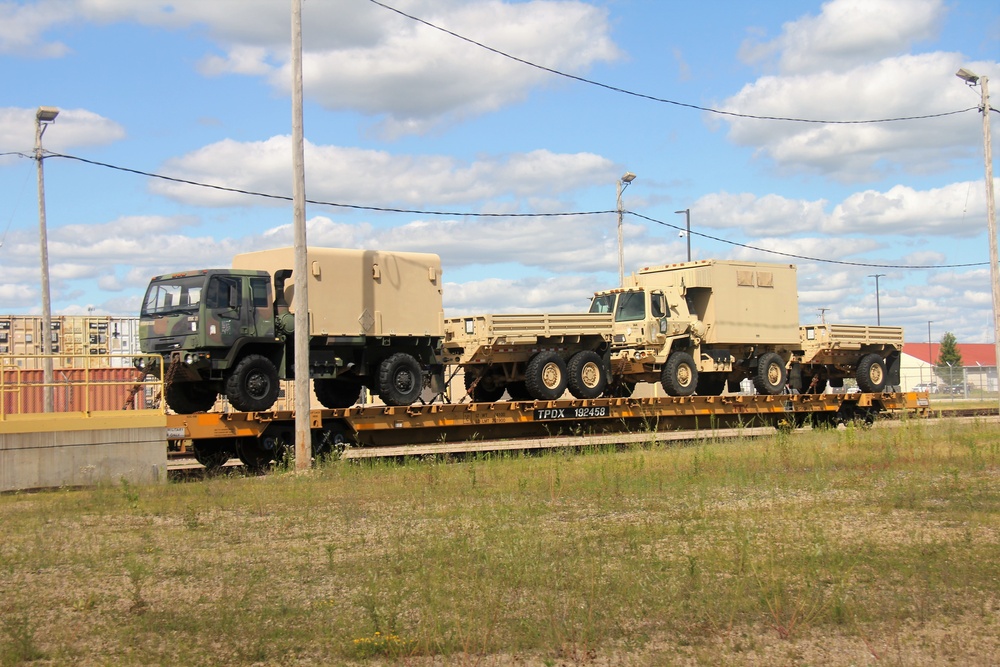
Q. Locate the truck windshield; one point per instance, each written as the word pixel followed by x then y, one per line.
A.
pixel 631 307
pixel 603 303
pixel 173 295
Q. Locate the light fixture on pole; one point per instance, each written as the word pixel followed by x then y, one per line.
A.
pixel 43 117
pixel 687 228
pixel 878 310
pixel 991 211
pixel 623 183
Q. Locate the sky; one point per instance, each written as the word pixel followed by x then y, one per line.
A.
pixel 499 128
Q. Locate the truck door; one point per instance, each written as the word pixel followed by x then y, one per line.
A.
pixel 630 316
pixel 658 316
pixel 224 319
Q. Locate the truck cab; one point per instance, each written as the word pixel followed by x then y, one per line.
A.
pixel 642 317
pixel 202 324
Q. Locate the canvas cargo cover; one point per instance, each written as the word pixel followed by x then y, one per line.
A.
pixel 362 292
pixel 741 302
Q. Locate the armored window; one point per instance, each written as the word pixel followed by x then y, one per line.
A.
pixel 631 306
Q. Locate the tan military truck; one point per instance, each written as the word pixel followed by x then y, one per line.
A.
pixel 530 356
pixel 829 353
pixel 375 319
pixel 698 326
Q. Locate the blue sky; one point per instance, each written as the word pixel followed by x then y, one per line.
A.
pixel 399 115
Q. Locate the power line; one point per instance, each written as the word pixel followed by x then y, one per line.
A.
pixel 381 209
pixel 644 96
pixel 384 209
pixel 806 257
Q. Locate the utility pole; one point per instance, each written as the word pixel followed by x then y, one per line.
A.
pixel 303 433
pixel 991 210
pixel 822 315
pixel 43 117
pixel 623 183
pixel 687 228
pixel 878 310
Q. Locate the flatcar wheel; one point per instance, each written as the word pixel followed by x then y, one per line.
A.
pixel 211 453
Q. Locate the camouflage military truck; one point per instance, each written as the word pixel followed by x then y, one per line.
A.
pixel 693 327
pixel 530 356
pixel 829 353
pixel 375 319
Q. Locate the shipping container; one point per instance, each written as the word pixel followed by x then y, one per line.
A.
pixel 74 390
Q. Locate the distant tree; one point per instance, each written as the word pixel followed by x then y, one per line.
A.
pixel 949 362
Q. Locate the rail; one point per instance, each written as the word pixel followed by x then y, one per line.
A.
pixel 91 383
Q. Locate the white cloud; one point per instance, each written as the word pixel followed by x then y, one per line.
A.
pixel 848 33
pixel 954 210
pixel 72 128
pixel 360 56
pixel 360 176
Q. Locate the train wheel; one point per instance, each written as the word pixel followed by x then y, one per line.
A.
pixel 253 384
pixel 330 441
pixel 545 376
pixel 871 374
pixel 680 375
pixel 400 380
pixel 771 375
pixel 254 454
pixel 212 453
pixel 587 375
pixel 335 394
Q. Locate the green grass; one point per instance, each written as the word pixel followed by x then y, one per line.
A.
pixel 842 546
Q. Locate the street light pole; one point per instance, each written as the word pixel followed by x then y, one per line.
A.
pixel 991 210
pixel 44 116
pixel 623 183
pixel 687 228
pixel 878 309
pixel 930 354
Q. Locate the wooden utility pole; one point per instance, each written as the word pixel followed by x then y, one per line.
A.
pixel 303 439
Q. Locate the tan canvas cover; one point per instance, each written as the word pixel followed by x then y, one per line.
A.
pixel 362 292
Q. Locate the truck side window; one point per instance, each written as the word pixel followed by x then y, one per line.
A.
pixel 258 291
pixel 603 303
pixel 223 293
pixel 631 306
pixel 658 305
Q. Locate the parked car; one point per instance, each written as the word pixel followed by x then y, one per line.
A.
pixel 927 387
pixel 960 388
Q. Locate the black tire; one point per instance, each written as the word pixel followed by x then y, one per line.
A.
pixel 400 380
pixel 588 375
pixel 679 376
pixel 518 391
pixel 212 453
pixel 253 384
pixel 619 389
pixel 336 394
pixel 871 374
pixel 771 374
pixel 186 398
pixel 545 376
pixel 711 384
pixel 483 386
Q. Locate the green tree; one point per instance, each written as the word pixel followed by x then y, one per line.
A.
pixel 949 362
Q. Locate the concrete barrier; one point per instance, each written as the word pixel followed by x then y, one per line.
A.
pixel 71 449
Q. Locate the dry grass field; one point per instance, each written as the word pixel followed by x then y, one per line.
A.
pixel 831 547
